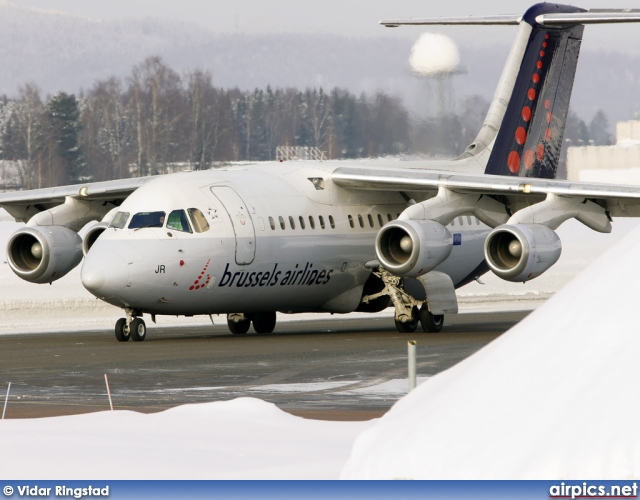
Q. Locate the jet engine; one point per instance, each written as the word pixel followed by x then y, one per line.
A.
pixel 410 248
pixel 42 254
pixel 92 235
pixel 521 252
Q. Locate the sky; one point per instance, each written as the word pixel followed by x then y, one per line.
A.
pixel 350 18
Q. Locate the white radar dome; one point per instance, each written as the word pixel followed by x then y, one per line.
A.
pixel 434 54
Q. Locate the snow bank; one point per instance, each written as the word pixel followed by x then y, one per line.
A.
pixel 555 397
pixel 241 439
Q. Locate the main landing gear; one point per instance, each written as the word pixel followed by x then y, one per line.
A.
pixel 263 322
pixel 131 327
pixel 409 311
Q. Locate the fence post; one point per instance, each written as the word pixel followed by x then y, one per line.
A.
pixel 412 364
pixel 6 400
pixel 106 381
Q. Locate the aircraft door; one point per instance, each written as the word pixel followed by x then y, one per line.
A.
pixel 241 221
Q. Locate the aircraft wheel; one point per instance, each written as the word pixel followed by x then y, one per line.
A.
pixel 409 326
pixel 431 323
pixel 122 332
pixel 138 330
pixel 264 322
pixel 240 327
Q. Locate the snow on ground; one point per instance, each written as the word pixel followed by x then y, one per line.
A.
pixel 554 397
pixel 241 439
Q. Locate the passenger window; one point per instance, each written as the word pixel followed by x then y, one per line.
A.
pixel 199 221
pixel 281 222
pixel 178 221
pixel 469 219
pixel 370 217
pixel 351 221
pixel 333 222
pixel 312 222
pixel 147 219
pixel 477 221
pixel 380 221
pixel 321 219
pixel 272 223
pixel 301 219
pixel 460 220
pixel 360 220
pixel 389 218
pixel 120 220
pixel 292 223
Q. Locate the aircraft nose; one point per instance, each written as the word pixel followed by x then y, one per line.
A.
pixel 104 274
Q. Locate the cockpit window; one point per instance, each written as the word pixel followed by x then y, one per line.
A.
pixel 147 219
pixel 120 220
pixel 178 221
pixel 200 224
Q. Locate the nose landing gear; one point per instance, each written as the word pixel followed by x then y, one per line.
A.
pixel 131 327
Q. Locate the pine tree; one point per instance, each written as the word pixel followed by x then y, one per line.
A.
pixel 62 126
pixel 599 129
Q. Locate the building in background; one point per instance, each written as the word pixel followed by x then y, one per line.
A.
pixel 618 164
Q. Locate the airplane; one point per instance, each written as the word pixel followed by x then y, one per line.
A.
pixel 338 236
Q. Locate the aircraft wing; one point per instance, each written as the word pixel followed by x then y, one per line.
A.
pixel 24 204
pixel 618 200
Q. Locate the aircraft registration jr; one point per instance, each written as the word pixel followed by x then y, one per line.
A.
pixel 338 237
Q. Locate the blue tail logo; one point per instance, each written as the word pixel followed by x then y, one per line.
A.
pixel 529 141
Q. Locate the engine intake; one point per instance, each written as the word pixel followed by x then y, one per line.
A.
pixel 92 235
pixel 42 254
pixel 410 248
pixel 521 252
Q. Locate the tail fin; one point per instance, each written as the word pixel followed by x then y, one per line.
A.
pixel 530 136
pixel 523 131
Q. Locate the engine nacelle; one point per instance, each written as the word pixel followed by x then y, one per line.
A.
pixel 410 248
pixel 92 235
pixel 42 254
pixel 521 252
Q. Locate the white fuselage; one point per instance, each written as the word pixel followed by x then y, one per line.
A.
pixel 281 237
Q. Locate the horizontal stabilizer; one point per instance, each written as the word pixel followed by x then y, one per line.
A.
pixel 593 16
pixel 454 21
pixel 590 17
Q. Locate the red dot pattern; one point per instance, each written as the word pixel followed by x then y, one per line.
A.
pixel 514 158
pixel 200 282
pixel 527 159
pixel 513 162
